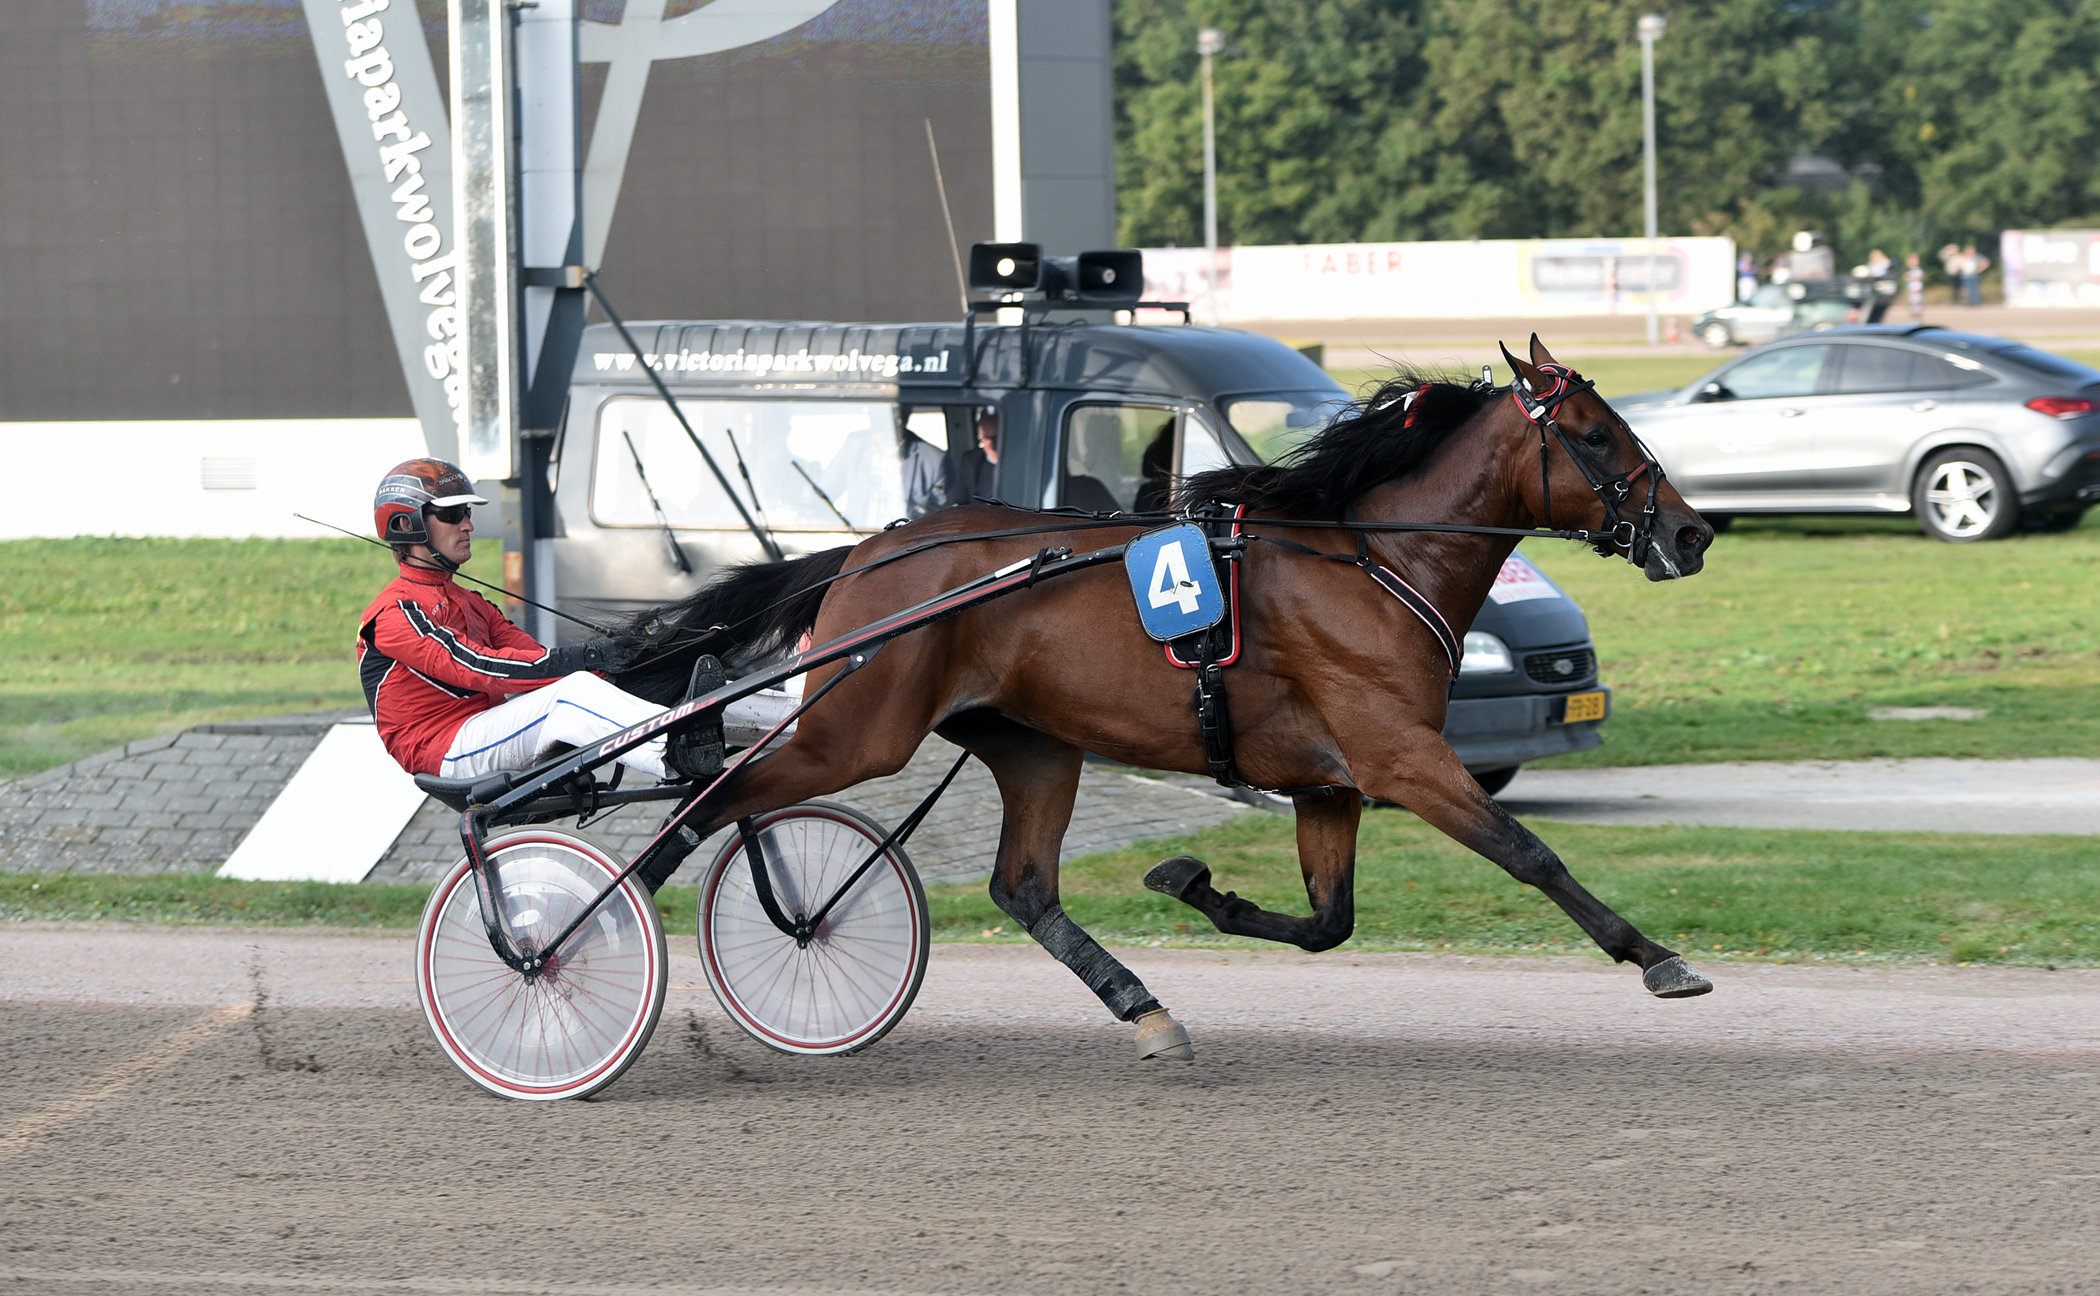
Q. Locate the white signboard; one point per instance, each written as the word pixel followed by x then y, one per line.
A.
pixel 1488 278
pixel 2051 267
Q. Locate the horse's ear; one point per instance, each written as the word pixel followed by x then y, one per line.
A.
pixel 1539 354
pixel 1523 369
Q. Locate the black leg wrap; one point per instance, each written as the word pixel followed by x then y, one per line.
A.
pixel 667 858
pixel 1117 985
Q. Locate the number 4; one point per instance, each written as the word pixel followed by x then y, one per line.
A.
pixel 1170 579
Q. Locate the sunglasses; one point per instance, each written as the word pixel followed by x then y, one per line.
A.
pixel 451 515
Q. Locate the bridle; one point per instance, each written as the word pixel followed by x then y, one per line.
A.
pixel 1612 492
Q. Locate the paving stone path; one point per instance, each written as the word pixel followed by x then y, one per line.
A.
pixel 181 803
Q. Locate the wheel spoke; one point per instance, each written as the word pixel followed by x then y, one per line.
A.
pixel 575 1028
pixel 857 976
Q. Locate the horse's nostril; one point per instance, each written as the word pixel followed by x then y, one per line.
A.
pixel 1692 539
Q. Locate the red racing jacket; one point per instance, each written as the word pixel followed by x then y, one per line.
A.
pixel 432 655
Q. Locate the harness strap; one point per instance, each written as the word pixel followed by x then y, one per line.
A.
pixel 1210 651
pixel 1389 581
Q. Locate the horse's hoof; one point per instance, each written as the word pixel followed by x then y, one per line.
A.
pixel 1673 978
pixel 1178 876
pixel 1160 1036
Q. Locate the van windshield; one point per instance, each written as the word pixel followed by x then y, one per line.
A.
pixel 1276 423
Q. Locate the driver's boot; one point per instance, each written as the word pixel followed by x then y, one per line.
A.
pixel 695 751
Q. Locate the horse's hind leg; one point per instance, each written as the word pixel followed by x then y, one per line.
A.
pixel 1038 776
pixel 1326 855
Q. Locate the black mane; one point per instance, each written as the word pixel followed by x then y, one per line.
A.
pixel 1370 441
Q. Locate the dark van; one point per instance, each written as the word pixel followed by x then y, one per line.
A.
pixel 827 432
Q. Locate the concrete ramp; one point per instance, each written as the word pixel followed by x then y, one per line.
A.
pixel 336 819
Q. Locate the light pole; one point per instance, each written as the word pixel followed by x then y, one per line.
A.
pixel 1650 30
pixel 1209 42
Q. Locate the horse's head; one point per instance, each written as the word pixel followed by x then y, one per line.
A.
pixel 1595 475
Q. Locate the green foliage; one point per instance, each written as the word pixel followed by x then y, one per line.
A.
pixel 1302 95
pixel 1450 119
pixel 199 899
pixel 172 899
pixel 1707 892
pixel 103 641
pixel 1799 626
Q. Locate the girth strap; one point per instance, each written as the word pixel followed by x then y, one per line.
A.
pixel 1209 652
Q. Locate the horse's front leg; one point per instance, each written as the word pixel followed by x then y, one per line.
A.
pixel 1430 781
pixel 1327 856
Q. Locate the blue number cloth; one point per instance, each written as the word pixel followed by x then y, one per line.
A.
pixel 1173 581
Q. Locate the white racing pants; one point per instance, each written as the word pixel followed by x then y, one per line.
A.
pixel 578 710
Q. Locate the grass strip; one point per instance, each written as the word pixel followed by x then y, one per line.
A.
pixel 1799 627
pixel 104 641
pixel 1777 895
pixel 1770 895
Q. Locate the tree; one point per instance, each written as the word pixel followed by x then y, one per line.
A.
pixel 1303 90
pixel 1439 119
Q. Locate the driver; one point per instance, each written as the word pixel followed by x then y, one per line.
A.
pixel 459 691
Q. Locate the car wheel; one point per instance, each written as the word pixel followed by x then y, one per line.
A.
pixel 1494 780
pixel 1715 335
pixel 1965 494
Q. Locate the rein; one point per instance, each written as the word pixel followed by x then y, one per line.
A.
pixel 1538 410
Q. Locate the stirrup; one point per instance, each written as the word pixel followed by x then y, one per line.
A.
pixel 695 751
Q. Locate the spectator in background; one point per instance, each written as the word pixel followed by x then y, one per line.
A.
pixel 1878 264
pixel 1914 287
pixel 1974 263
pixel 1745 276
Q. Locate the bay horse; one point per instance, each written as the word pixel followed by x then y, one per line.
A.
pixel 1339 693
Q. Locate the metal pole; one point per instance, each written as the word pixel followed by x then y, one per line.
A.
pixel 1208 42
pixel 1649 29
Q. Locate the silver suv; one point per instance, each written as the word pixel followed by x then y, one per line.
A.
pixel 1974 435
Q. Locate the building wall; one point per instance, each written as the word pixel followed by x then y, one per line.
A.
pixel 182 244
pixel 189 280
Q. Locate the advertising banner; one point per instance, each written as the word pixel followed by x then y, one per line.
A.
pixel 1486 278
pixel 383 93
pixel 2051 267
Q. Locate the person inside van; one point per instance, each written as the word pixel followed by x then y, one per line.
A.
pixel 928 478
pixel 1156 471
pixel 977 475
pixel 459 691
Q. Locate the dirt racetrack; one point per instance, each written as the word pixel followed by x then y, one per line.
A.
pixel 254 1112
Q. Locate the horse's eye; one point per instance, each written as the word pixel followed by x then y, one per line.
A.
pixel 1598 438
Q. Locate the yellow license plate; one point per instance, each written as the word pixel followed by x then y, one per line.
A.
pixel 1583 706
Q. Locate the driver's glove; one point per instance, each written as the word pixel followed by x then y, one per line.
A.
pixel 606 653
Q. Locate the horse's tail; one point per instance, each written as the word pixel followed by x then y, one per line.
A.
pixel 747 612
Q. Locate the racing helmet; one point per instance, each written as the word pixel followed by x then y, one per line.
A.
pixel 411 487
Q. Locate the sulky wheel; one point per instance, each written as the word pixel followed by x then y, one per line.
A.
pixel 572 1030
pixel 842 986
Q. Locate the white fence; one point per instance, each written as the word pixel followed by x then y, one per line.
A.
pixel 1484 278
pixel 234 477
